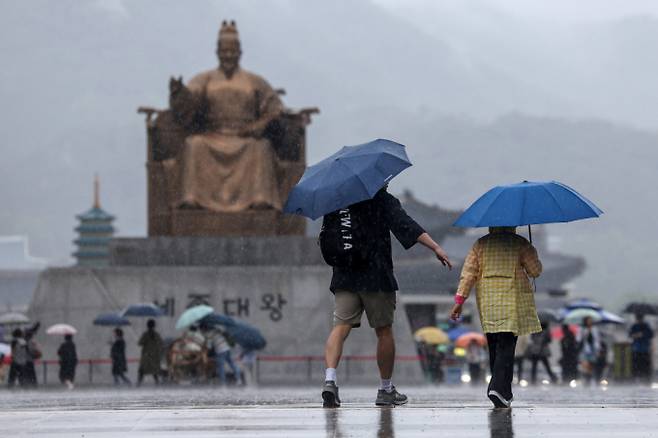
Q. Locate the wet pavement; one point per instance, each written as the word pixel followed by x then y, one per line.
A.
pixel 545 411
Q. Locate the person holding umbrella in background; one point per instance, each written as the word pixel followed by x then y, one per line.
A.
pixel 118 355
pixel 569 359
pixel 641 336
pixel 539 351
pixel 19 353
pixel 149 362
pixel 68 361
pixel 221 349
pixel 589 342
pixel 499 266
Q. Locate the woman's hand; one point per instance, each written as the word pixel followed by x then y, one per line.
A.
pixel 456 312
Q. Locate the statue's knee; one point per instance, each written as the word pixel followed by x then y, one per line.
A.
pixel 192 143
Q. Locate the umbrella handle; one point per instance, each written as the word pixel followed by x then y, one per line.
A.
pixel 530 233
pixel 534 280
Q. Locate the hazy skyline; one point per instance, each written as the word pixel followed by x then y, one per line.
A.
pixel 535 90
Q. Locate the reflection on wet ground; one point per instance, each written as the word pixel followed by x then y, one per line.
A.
pixel 295 412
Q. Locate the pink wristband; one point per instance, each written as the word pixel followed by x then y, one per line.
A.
pixel 459 299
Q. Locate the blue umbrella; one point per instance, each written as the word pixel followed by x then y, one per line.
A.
pixel 245 335
pixel 248 337
pixel 111 319
pixel 351 175
pixel 217 319
pixel 528 203
pixel 610 318
pixel 583 303
pixel 143 310
pixel 456 332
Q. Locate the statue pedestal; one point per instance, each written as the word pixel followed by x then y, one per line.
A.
pixel 247 223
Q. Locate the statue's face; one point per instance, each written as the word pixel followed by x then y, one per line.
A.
pixel 229 53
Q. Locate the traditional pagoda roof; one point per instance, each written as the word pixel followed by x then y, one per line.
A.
pixel 96 232
pixel 95 214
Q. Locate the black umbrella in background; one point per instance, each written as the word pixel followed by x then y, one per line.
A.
pixel 642 308
pixel 547 316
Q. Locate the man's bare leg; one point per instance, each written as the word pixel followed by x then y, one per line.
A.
pixel 332 353
pixel 387 394
pixel 333 349
pixel 385 351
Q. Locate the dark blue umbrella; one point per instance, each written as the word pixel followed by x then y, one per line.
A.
pixel 111 319
pixel 143 310
pixel 248 337
pixel 217 319
pixel 245 335
pixel 528 203
pixel 351 175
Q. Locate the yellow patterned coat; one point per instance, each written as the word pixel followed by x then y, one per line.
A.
pixel 498 266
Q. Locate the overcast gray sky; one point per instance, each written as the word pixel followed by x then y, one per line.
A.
pixel 559 10
pixel 548 89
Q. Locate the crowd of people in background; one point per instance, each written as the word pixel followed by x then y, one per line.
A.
pixel 207 348
pixel 584 353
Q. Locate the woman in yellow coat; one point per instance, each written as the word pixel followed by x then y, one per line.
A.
pixel 499 265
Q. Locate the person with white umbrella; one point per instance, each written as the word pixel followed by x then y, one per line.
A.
pixel 68 361
pixel 68 356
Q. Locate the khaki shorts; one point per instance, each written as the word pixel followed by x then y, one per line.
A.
pixel 379 307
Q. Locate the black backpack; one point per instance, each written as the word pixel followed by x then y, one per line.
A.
pixel 343 240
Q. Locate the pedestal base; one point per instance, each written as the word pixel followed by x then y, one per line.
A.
pixel 247 223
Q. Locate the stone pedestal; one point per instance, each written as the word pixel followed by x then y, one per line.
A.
pixel 247 223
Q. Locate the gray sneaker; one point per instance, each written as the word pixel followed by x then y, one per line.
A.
pixel 393 398
pixel 330 397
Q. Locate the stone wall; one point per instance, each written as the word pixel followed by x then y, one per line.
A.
pixel 291 305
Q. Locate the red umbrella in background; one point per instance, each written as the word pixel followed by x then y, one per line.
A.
pixel 466 339
pixel 557 334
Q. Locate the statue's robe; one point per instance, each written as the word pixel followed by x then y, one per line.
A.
pixel 219 168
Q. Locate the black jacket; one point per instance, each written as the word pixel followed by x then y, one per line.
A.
pixel 68 358
pixel 118 355
pixel 385 214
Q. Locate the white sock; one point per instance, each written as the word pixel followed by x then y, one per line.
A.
pixel 330 374
pixel 386 385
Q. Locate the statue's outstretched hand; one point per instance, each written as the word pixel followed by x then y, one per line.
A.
pixel 255 130
pixel 175 85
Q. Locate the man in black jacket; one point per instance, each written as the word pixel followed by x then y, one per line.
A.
pixel 372 288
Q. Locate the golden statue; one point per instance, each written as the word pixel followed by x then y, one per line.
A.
pixel 227 145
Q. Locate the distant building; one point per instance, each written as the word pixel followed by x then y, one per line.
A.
pixel 95 232
pixel 19 273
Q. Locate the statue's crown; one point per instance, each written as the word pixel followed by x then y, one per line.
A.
pixel 228 30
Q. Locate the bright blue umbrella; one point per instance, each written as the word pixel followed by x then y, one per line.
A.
pixel 111 319
pixel 528 203
pixel 351 175
pixel 456 332
pixel 149 310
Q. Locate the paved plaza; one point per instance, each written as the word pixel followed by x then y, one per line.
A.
pixel 450 411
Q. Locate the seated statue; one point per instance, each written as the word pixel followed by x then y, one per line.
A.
pixel 227 165
pixel 226 145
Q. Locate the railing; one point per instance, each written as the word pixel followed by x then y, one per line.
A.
pixel 308 362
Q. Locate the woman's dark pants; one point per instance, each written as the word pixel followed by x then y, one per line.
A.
pixel 501 362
